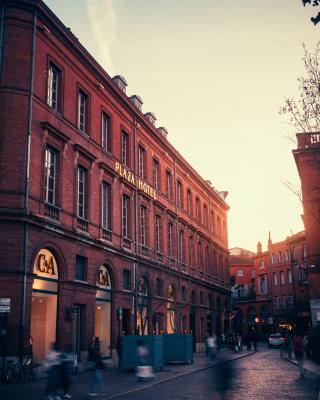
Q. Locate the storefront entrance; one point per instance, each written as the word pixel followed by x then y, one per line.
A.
pixel 103 311
pixel 44 304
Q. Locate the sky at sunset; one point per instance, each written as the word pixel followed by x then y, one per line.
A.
pixel 215 73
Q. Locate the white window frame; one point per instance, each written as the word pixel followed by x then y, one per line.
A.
pixel 81 192
pixel 105 206
pixel 105 131
pixel 125 216
pixel 53 86
pixel 50 176
pixel 82 111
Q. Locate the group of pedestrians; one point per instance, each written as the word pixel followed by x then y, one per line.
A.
pixel 59 366
pixel 296 342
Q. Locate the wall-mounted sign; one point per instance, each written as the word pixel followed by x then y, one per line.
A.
pixel 4 305
pixel 45 265
pixel 140 184
pixel 103 278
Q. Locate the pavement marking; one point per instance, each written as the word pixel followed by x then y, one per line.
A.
pixel 140 388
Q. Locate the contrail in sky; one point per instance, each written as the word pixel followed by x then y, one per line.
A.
pixel 102 19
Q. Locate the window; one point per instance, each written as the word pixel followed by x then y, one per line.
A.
pixel 106 206
pixel 213 223
pixel 158 233
pixel 197 209
pixel 190 251
pixel 81 192
pixel 281 278
pixel 184 293
pixel 54 77
pixel 289 276
pixel 261 264
pixel 168 184
pixel 272 258
pixel 126 275
pixel 156 174
pixel 201 298
pixel 80 272
pixel 159 287
pixel 287 255
pixel 207 261
pixel 205 216
pixel 125 148
pixel 125 216
pixel 200 261
pixel 170 244
pixel 189 202
pixel 141 155
pixel 304 252
pixel 143 212
pixel 50 179
pixel 179 194
pixel 82 111
pixel 105 131
pixel 275 279
pixel 280 256
pixel 181 246
pixel 240 272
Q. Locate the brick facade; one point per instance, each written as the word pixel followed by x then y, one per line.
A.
pixel 307 158
pixel 159 242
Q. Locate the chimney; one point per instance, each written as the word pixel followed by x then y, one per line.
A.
pixel 269 240
pixel 163 131
pixel 136 100
pixel 151 117
pixel 120 82
pixel 259 248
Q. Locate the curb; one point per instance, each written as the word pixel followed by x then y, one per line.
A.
pixel 138 389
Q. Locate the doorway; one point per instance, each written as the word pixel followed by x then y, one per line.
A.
pixel 102 326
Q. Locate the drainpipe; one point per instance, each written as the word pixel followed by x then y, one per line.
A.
pixel 26 193
pixel 135 211
pixel 1 36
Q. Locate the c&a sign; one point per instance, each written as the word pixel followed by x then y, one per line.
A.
pixel 45 264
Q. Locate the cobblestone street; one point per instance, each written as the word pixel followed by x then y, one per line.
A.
pixel 261 376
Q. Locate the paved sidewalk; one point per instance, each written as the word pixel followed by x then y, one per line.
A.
pixel 310 366
pixel 117 383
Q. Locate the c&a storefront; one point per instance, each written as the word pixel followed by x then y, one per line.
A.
pixel 70 303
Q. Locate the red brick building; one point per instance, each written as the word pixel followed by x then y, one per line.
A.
pixel 279 295
pixel 307 158
pixel 105 229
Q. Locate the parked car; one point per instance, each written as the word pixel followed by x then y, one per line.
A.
pixel 276 340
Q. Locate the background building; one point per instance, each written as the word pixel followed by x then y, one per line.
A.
pixel 105 229
pixel 278 288
pixel 307 158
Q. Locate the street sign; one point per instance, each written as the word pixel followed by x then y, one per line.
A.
pixel 4 305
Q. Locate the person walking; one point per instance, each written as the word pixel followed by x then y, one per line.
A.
pixel 210 347
pixel 298 348
pixel 52 364
pixel 66 366
pixel 96 366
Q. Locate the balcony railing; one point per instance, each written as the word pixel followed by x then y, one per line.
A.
pixel 51 211
pixel 82 224
pixel 126 243
pixel 107 235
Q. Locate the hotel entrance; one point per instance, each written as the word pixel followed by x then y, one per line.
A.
pixel 44 303
pixel 103 311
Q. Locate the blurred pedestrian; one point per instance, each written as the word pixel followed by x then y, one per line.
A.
pixel 298 348
pixel 224 374
pixel 210 347
pixel 119 350
pixel 288 344
pixel 96 365
pixel 255 336
pixel 66 369
pixel 144 369
pixel 52 365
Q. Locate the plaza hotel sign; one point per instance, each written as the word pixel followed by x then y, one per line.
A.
pixel 139 183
